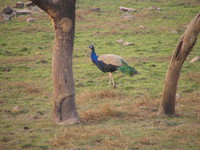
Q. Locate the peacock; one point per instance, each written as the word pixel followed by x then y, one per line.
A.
pixel 110 63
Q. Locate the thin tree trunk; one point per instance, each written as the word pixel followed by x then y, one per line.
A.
pixel 63 14
pixel 184 47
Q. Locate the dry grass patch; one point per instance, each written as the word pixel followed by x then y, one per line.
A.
pixel 149 103
pixel 190 99
pixel 26 87
pixel 18 59
pixel 165 58
pixel 107 137
pixel 32 90
pixel 145 104
pixel 35 29
pixel 192 76
pixel 80 14
pixel 184 135
pixel 142 14
pixel 104 94
pixel 141 109
pixel 189 105
pixel 89 137
pixel 104 111
pixel 147 140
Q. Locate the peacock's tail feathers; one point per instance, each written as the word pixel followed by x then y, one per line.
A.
pixel 126 69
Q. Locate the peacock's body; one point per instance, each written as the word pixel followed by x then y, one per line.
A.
pixel 110 63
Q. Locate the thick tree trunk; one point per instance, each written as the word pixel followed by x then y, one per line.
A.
pixel 63 15
pixel 184 47
pixel 64 92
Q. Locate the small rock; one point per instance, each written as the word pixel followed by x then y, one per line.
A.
pixel 8 10
pixel 2 102
pixel 178 95
pixel 187 3
pixel 127 16
pixel 30 20
pixel 141 26
pixel 35 117
pixel 143 107
pixel 7 111
pixel 159 9
pixel 43 61
pixel 154 109
pixel 154 8
pixel 175 32
pixel 40 112
pixel 197 58
pixel 120 41
pixel 79 84
pixel 29 4
pixel 127 9
pixel 96 32
pixel 150 8
pixel 36 9
pixel 6 17
pixel 7 69
pixel 26 128
pixel 5 139
pixel 9 17
pixel 23 11
pixel 95 9
pixel 128 43
pixel 17 109
pixel 19 5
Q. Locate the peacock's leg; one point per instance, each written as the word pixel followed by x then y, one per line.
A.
pixel 111 80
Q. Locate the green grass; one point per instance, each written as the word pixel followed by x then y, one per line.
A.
pixel 122 118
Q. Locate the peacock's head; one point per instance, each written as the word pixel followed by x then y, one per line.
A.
pixel 91 47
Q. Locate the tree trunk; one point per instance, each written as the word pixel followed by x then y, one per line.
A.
pixel 184 47
pixel 63 14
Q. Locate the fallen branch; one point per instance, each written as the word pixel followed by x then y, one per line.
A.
pixel 127 9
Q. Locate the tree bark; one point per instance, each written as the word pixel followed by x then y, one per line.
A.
pixel 183 48
pixel 63 14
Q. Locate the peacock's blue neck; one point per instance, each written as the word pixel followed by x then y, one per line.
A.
pixel 94 57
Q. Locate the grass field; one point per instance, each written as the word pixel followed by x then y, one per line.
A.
pixel 124 118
